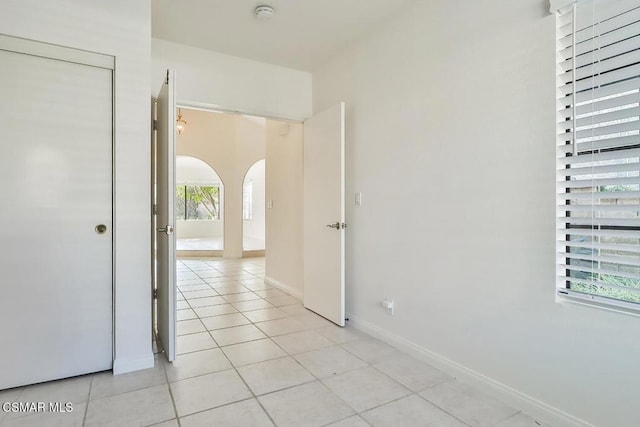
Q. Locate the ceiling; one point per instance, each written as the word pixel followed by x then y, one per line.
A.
pixel 302 34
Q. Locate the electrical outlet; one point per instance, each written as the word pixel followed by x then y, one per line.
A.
pixel 358 199
pixel 270 204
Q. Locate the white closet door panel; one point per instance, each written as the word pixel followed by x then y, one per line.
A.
pixel 56 187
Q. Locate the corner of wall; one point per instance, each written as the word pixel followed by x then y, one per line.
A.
pixel 294 292
pixel 533 407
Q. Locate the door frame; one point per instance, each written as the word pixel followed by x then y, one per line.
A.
pixel 192 105
pixel 217 108
pixel 91 59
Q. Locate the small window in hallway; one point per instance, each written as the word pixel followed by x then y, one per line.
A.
pixel 247 200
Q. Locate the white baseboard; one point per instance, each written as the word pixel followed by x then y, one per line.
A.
pixel 531 406
pixel 296 293
pixel 122 366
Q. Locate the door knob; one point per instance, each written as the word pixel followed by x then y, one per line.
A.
pixel 167 230
pixel 101 228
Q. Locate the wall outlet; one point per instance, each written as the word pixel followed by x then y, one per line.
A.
pixel 358 199
pixel 388 305
pixel 269 204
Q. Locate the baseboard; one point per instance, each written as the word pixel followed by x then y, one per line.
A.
pixel 198 254
pixel 122 366
pixel 253 253
pixel 531 406
pixel 284 287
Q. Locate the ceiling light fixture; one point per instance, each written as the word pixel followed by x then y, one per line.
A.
pixel 180 123
pixel 264 12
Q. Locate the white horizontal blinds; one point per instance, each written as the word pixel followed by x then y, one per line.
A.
pixel 598 147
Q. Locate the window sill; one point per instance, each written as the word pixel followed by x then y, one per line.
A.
pixel 567 296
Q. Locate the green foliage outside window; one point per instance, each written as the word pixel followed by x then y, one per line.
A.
pixel 198 202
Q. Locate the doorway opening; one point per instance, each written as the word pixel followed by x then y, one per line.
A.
pixel 236 147
pixel 199 208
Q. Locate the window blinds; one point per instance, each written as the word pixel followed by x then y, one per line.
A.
pixel 598 150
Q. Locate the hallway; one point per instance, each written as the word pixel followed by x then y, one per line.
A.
pixel 251 355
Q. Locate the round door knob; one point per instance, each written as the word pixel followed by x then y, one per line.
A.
pixel 101 228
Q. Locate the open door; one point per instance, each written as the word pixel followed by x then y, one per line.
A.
pixel 165 218
pixel 324 213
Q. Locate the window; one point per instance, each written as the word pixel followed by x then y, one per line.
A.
pixel 247 200
pixel 598 151
pixel 198 202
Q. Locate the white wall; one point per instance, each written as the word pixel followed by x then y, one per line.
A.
pixel 123 29
pixel 234 83
pixel 284 186
pixel 254 228
pixel 199 229
pixel 450 138
pixel 230 144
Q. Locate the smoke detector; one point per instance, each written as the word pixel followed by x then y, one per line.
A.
pixel 264 12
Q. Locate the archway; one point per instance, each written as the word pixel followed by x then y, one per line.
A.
pixel 199 206
pixel 253 208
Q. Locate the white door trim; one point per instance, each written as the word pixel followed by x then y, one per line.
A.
pixel 216 108
pixel 60 53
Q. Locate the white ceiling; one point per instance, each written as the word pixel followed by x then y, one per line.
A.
pixel 302 34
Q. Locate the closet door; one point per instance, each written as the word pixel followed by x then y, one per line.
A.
pixel 56 195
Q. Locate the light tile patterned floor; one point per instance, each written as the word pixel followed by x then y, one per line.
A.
pixel 251 355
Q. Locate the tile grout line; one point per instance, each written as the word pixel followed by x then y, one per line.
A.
pixel 292 356
pixel 316 378
pixel 86 409
pixel 173 402
pixel 245 383
pixel 439 407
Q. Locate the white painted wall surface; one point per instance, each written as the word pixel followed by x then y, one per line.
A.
pixel 230 144
pixel 254 228
pixel 236 83
pixel 450 139
pixel 193 229
pixel 284 186
pixel 123 29
pixel 190 170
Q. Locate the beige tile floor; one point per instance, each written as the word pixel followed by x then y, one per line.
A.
pixel 251 355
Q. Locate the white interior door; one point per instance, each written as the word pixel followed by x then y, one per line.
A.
pixel 56 254
pixel 324 220
pixel 166 216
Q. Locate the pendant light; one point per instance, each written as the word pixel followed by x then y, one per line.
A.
pixel 180 123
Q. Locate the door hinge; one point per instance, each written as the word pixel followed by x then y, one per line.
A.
pixel 155 125
pixel 338 225
pixel 155 293
pixel 154 209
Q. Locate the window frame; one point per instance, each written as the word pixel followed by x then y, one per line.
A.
pixel 186 200
pixel 563 287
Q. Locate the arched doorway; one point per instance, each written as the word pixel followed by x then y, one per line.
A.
pixel 253 208
pixel 199 207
